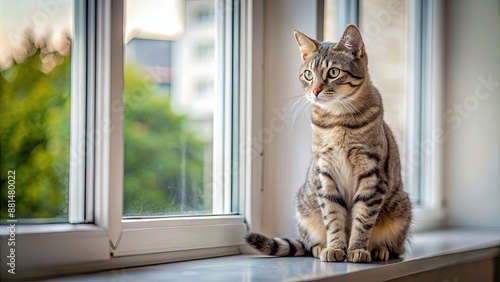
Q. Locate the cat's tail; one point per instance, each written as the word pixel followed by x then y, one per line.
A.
pixel 276 246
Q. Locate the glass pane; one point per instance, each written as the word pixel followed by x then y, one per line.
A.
pixel 385 30
pixel 35 63
pixel 331 17
pixel 170 72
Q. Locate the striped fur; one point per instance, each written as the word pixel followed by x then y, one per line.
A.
pixel 276 246
pixel 352 205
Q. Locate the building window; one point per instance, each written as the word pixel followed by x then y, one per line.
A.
pixel 204 89
pixel 204 50
pixel 203 13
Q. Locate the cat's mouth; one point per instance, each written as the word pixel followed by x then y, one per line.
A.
pixel 334 104
pixel 322 97
pixel 326 102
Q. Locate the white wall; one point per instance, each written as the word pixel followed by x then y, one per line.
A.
pixel 286 147
pixel 472 150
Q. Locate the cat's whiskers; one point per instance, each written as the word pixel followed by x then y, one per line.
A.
pixel 309 105
pixel 298 102
pixel 300 106
pixel 294 97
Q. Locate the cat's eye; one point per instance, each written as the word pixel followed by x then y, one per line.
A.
pixel 333 72
pixel 308 75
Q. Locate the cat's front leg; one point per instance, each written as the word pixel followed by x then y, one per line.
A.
pixel 334 212
pixel 369 197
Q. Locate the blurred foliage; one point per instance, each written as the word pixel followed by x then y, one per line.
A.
pixel 163 159
pixel 34 131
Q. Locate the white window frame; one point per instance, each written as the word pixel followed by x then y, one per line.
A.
pixel 427 91
pixel 41 246
pixel 142 236
pixel 97 236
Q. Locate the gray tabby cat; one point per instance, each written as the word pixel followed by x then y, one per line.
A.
pixel 352 205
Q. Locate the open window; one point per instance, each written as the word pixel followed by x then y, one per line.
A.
pixel 123 134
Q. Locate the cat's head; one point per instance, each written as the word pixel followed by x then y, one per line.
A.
pixel 332 73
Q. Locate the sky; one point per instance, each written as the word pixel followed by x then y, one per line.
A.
pixel 40 16
pixel 148 18
pixel 158 18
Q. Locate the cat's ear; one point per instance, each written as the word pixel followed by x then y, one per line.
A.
pixel 307 45
pixel 351 39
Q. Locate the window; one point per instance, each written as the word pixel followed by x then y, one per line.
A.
pixel 204 50
pixel 202 12
pixel 149 146
pixel 35 92
pixel 169 151
pixel 204 89
pixel 179 143
pixel 170 137
pixel 402 41
pixel 161 145
pixel 386 33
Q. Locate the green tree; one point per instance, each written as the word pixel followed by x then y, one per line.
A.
pixel 163 158
pixel 34 132
pixel 157 142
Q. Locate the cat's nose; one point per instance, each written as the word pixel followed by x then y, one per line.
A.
pixel 316 91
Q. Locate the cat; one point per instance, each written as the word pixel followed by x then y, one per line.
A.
pixel 352 206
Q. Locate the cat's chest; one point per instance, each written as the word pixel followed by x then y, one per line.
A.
pixel 331 148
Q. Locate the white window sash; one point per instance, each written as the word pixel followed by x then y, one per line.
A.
pixel 45 245
pixel 251 111
pixel 221 192
pixel 430 213
pixel 433 89
pixel 425 104
pixel 109 142
pixel 78 144
pixel 154 235
pixel 148 236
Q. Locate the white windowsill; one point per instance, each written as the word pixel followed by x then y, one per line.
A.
pixel 429 251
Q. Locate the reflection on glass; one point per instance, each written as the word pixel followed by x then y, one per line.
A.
pixel 169 81
pixel 35 40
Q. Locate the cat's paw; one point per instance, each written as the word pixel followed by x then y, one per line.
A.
pixel 332 255
pixel 316 250
pixel 380 253
pixel 358 255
